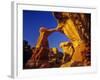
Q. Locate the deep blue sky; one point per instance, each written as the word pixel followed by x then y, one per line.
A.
pixel 33 20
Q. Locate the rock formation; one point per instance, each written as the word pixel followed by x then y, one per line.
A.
pixel 76 52
pixel 76 26
pixel 40 55
pixel 68 51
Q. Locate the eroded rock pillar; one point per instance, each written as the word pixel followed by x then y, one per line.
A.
pixel 40 55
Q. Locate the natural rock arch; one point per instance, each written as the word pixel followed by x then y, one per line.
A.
pixel 75 31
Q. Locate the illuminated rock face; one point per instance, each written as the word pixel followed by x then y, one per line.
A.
pixel 55 50
pixel 42 40
pixel 68 51
pixel 71 32
pixel 77 28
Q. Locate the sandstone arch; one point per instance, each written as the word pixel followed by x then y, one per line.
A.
pixel 75 27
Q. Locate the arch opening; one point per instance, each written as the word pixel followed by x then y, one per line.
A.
pixel 55 39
